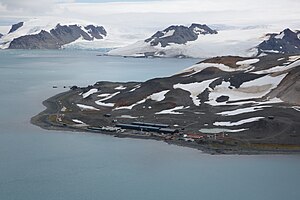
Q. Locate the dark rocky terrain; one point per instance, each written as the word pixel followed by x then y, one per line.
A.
pixel 56 37
pixel 229 104
pixel 170 42
pixel 179 34
pixel 286 42
pixel 15 27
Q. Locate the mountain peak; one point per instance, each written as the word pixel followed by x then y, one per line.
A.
pixel 286 42
pixel 179 34
pixel 50 33
pixel 202 29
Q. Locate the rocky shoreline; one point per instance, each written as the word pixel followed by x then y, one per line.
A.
pixel 222 105
pixel 212 147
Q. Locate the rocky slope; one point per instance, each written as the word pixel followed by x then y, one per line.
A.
pixel 41 34
pixel 286 42
pixel 179 35
pixel 162 42
pixel 253 101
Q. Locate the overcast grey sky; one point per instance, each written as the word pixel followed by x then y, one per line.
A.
pixel 147 13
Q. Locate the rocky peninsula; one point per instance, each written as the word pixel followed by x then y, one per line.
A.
pixel 222 105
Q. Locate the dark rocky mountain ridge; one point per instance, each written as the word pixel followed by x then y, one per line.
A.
pixel 56 37
pixel 180 34
pixel 15 27
pixel 286 42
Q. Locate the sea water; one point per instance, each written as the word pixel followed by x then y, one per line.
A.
pixel 38 164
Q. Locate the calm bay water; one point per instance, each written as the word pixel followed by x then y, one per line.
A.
pixel 51 165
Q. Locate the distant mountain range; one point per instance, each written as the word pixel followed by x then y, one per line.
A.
pixel 179 35
pixel 196 40
pixel 286 42
pixel 166 43
pixel 39 34
pixel 200 40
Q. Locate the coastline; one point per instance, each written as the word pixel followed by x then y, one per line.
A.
pixel 213 148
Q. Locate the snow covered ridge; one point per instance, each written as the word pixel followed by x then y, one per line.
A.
pixel 285 42
pixel 179 35
pixel 50 34
pixel 170 39
pixel 199 41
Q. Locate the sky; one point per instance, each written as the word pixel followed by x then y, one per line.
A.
pixel 149 15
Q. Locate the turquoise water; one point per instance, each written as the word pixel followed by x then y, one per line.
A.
pixel 52 165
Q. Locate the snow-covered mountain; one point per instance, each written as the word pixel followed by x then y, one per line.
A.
pixel 202 41
pixel 286 42
pixel 1 35
pixel 165 43
pixel 179 35
pixel 50 34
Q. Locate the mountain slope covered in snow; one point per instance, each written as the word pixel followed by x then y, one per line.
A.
pixel 201 41
pixel 50 34
pixel 166 43
pixel 286 42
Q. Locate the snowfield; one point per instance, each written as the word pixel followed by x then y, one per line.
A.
pixel 201 66
pixel 159 96
pixel 171 111
pixel 248 62
pixel 242 111
pixel 231 41
pixel 90 92
pixel 241 122
pixel 195 89
pixel 86 107
pixel 255 89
